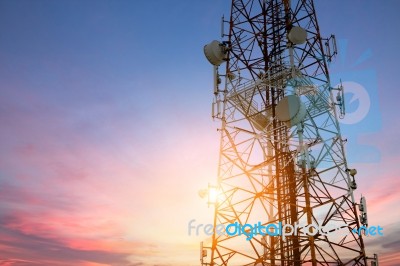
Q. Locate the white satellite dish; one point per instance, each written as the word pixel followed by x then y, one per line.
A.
pixel 291 110
pixel 215 53
pixel 297 35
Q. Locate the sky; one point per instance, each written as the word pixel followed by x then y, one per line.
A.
pixel 106 133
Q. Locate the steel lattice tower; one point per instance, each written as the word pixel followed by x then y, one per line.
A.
pixel 271 170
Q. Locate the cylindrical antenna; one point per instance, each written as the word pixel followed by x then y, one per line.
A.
pixel 334 45
pixel 222 26
pixel 215 80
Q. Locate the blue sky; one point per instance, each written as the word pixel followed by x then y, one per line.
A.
pixel 106 129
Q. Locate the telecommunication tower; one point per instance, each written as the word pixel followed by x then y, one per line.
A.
pixel 282 155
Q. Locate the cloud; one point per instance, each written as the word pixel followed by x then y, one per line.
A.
pixel 44 250
pixel 386 246
pixel 392 245
pixel 52 229
pixel 17 262
pixel 38 244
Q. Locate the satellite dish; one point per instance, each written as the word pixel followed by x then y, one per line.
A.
pixel 297 35
pixel 291 110
pixel 215 53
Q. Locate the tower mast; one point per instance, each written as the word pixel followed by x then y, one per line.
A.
pixel 282 157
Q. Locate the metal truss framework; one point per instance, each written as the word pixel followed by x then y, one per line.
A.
pixel 270 172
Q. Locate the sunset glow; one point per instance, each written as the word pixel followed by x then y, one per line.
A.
pixel 106 133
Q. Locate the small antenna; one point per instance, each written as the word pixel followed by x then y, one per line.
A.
pixel 343 109
pixel 334 44
pixel 222 26
pixel 340 100
pixel 363 210
pixel 216 79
